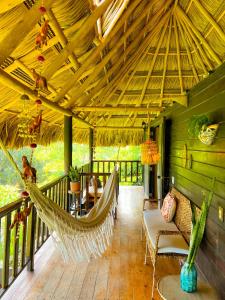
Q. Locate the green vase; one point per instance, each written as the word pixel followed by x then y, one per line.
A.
pixel 188 278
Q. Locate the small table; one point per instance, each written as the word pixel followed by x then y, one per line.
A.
pixel 169 289
pixel 74 201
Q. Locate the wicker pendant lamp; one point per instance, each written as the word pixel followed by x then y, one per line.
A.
pixel 149 151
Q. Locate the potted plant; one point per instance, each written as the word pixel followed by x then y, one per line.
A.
pixel 75 179
pixel 201 127
pixel 188 276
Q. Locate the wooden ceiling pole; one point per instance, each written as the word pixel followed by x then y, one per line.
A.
pixel 147 79
pixel 211 28
pixel 178 56
pixel 61 36
pixel 15 85
pixel 166 58
pixel 91 59
pixel 198 34
pixel 121 109
pixel 89 23
pixel 199 48
pixel 196 50
pixel 188 52
pixel 126 67
pixel 105 60
pixel 209 18
pixel 22 28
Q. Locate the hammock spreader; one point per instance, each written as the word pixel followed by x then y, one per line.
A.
pixel 79 239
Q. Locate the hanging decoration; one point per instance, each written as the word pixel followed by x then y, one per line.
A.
pixel 25 118
pixel 149 151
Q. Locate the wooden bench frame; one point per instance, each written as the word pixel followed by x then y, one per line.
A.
pixel 182 220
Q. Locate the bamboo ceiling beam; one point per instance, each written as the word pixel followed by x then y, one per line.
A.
pixel 188 52
pixel 69 48
pixel 91 59
pixel 129 62
pixel 166 57
pixel 119 128
pixel 116 18
pixel 198 34
pixel 22 28
pixel 121 109
pixel 211 28
pixel 178 55
pixel 165 25
pixel 206 14
pixel 192 42
pixel 105 60
pixel 62 38
pixel 15 85
pixel 9 4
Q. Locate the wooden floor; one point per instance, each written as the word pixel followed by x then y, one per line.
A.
pixel 119 275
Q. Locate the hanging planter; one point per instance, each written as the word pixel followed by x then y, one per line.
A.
pixel 201 127
pixel 207 134
pixel 149 153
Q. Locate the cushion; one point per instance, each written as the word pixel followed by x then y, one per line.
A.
pixel 169 208
pixel 153 222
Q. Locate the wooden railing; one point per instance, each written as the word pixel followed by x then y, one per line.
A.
pixel 18 245
pixel 130 171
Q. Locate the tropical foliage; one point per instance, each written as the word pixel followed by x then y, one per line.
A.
pixel 49 162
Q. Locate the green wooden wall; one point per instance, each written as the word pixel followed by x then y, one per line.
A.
pixel 208 97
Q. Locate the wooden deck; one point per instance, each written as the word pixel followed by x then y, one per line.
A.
pixel 119 275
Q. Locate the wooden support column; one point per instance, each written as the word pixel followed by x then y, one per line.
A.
pixel 91 142
pixel 68 143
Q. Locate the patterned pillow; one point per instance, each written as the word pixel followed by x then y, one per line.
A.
pixel 169 207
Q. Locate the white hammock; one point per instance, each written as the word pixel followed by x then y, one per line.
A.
pixel 79 239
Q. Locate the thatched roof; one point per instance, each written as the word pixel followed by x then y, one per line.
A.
pixel 110 64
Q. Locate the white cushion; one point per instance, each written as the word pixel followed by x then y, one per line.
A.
pixel 153 222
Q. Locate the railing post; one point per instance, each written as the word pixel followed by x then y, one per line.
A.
pixel 31 239
pixel 68 145
pixel 91 142
pixel 6 252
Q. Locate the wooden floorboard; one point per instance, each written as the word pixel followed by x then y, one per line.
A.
pixel 119 275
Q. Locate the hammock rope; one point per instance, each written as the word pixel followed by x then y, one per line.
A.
pixel 78 239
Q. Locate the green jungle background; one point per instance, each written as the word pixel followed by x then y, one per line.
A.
pixel 49 164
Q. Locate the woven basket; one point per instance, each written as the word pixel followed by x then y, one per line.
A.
pixel 207 135
pixel 149 153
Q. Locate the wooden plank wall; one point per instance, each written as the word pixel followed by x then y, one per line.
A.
pixel 208 162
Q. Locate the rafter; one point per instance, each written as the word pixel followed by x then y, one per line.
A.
pixel 166 57
pixel 110 54
pixel 91 59
pixel 200 49
pixel 123 71
pixel 19 32
pixel 198 34
pixel 178 55
pixel 61 36
pixel 192 42
pixel 116 109
pixel 15 85
pixel 89 23
pixel 188 51
pixel 209 18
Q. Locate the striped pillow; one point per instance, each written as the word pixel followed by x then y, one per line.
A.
pixel 169 207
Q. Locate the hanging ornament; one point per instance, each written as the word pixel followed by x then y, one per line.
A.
pixel 40 81
pixel 25 117
pixel 20 217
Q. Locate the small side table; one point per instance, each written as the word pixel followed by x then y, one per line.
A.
pixel 169 289
pixel 74 198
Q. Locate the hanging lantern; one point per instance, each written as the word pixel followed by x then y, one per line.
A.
pixel 149 153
